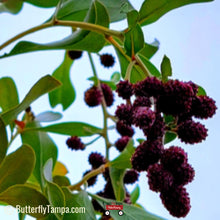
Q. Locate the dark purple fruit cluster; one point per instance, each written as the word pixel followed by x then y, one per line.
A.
pixel 107 60
pixel 94 95
pixel 168 177
pixel 168 170
pixel 154 100
pixel 156 108
pixel 75 143
pixel 74 54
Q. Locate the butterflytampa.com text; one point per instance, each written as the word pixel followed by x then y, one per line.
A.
pixel 49 209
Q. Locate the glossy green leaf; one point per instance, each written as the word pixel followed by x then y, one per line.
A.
pixel 69 128
pixel 123 160
pixel 150 66
pixel 117 176
pixel 166 69
pixel 78 40
pixel 12 6
pixel 81 202
pixel 20 195
pixel 76 10
pixel 131 212
pixel 54 192
pixel 9 94
pixel 3 140
pixel 201 91
pixel 169 136
pixel 132 17
pixel 134 40
pixel 64 95
pixel 48 116
pixel 43 3
pixel 43 86
pixel 61 180
pixel 135 194
pixel 150 49
pixel 44 148
pixel 20 162
pixel 152 10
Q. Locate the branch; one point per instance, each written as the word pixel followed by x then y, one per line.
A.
pixel 74 24
pixel 91 174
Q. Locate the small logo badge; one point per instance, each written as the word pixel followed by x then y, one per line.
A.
pixel 114 206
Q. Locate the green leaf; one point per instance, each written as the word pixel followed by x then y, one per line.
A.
pixel 65 95
pixel 80 200
pixel 166 69
pixel 4 140
pixel 134 40
pixel 117 177
pixel 169 136
pixel 123 160
pixel 115 77
pixel 141 140
pixel 78 40
pixel 43 3
pixel 152 69
pixel 44 85
pixel 44 149
pixel 76 10
pixel 61 180
pixel 150 49
pixel 131 212
pixel 16 167
pixel 20 195
pixel 136 73
pixel 12 6
pixel 135 194
pixel 201 91
pixel 169 119
pixel 9 94
pixel 132 17
pixel 114 9
pixel 54 192
pixel 152 10
pixel 21 216
pixel 48 116
pixel 69 128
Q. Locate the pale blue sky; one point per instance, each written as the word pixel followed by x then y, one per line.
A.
pixel 189 36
